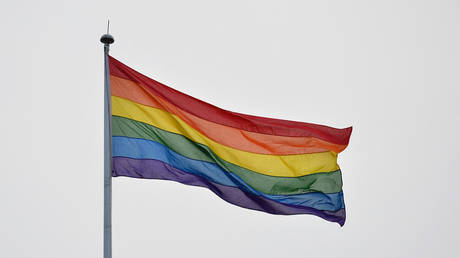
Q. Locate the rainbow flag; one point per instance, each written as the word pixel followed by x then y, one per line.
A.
pixel 271 165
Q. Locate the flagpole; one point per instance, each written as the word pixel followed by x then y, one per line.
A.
pixel 107 39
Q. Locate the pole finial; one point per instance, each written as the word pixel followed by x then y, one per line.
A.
pixel 107 39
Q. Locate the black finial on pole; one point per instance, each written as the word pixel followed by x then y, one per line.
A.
pixel 107 39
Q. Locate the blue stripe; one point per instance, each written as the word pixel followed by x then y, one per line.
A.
pixel 146 149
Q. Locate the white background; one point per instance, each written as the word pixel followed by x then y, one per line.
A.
pixel 391 69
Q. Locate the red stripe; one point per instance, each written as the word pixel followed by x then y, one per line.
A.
pixel 241 121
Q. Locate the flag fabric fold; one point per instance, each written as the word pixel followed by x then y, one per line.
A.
pixel 271 165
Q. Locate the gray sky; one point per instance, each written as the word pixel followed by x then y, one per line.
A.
pixel 391 69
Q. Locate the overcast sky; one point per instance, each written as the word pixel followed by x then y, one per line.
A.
pixel 391 69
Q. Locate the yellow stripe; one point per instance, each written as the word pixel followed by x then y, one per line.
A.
pixel 272 165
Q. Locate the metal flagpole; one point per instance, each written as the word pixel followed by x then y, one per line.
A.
pixel 107 39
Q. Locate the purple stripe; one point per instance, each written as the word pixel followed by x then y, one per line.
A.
pixel 154 169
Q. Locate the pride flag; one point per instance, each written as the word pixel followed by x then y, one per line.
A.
pixel 271 165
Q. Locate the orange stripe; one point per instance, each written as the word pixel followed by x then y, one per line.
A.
pixel 229 136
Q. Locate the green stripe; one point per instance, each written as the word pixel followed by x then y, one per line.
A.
pixel 329 182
